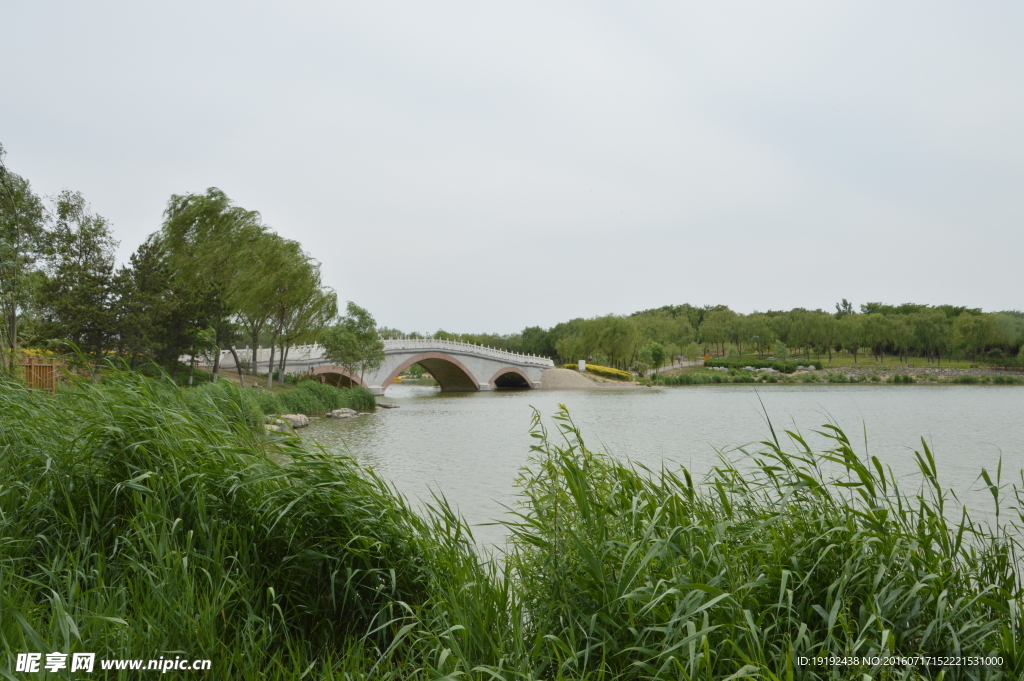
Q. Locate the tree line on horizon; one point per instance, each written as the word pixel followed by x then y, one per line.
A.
pixel 645 339
pixel 210 279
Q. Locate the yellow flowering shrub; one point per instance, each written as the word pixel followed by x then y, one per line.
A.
pixel 607 372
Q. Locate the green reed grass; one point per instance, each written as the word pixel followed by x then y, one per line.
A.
pixel 312 397
pixel 139 519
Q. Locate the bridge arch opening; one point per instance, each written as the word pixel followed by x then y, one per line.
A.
pixel 334 375
pixel 451 374
pixel 510 378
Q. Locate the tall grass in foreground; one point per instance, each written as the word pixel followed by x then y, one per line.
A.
pixel 138 519
pixel 649 575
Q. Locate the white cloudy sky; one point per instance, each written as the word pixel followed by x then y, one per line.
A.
pixel 483 166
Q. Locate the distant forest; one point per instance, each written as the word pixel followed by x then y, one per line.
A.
pixel 933 332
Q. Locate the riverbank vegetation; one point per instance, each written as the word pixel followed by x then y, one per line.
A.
pixel 140 519
pixel 314 398
pixel 895 375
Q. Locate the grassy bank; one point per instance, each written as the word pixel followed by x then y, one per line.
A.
pixel 138 519
pixel 705 377
pixel 842 359
pixel 312 398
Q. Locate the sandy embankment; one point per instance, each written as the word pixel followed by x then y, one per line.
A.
pixel 569 379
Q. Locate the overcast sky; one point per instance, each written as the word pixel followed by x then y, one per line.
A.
pixel 484 167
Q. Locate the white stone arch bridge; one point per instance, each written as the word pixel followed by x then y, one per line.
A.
pixel 457 367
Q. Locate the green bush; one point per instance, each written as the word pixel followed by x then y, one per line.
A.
pixel 787 367
pixel 328 397
pixel 705 379
pixel 1007 380
pixel 313 397
pixel 267 401
pixel 300 401
pixel 358 398
pixel 901 378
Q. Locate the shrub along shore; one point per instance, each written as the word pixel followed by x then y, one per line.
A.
pixel 140 519
pixel 313 398
pixel 896 375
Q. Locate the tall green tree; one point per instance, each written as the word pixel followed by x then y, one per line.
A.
pixel 22 225
pixel 144 301
pixel 354 342
pixel 76 298
pixel 578 339
pixel 901 334
pixel 826 333
pixel 657 354
pixel 844 308
pixel 715 329
pixel 878 332
pixel 308 318
pixel 209 241
pixel 762 334
pixel 271 261
pixel 850 331
pixel 538 341
pixel 291 287
pixel 930 329
pixel 802 330
pixel 619 339
pixel 974 332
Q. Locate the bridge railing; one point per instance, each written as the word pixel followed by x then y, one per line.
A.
pixel 312 354
pixel 457 346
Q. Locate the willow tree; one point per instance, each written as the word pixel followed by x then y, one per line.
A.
pixel 22 222
pixel 209 241
pixel 354 342
pixel 291 286
pixel 307 313
pixel 974 332
pixel 269 264
pixel 715 329
pixel 579 340
pixel 851 333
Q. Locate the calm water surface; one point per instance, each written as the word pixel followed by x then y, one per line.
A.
pixel 470 446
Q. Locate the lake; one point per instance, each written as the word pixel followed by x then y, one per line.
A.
pixel 471 446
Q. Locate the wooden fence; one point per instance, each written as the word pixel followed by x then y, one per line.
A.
pixel 41 372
